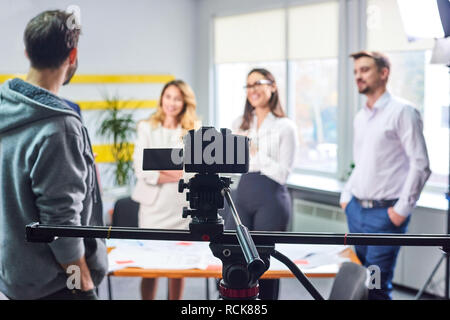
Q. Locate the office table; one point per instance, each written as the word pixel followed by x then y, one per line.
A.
pixel 215 271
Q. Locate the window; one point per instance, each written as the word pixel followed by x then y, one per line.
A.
pixel 415 79
pixel 315 83
pixel 243 42
pixel 313 66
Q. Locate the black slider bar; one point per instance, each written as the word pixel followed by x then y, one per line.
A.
pixel 36 232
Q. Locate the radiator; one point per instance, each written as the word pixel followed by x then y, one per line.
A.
pixel 316 217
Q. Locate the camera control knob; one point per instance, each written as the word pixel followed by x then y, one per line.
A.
pixel 181 186
pixel 186 212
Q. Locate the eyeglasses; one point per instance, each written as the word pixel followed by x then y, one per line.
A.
pixel 257 84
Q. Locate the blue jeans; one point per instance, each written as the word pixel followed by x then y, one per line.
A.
pixel 362 220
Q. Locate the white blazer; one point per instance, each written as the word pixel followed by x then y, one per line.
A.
pixel 147 189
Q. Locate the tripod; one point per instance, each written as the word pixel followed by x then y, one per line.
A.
pixel 445 257
pixel 243 264
pixel 445 254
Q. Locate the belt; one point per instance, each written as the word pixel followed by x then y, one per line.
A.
pixel 373 204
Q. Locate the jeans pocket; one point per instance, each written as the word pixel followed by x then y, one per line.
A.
pixel 389 223
pixel 348 205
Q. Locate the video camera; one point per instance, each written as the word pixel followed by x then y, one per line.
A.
pixel 206 150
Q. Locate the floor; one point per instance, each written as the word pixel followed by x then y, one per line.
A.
pixel 125 288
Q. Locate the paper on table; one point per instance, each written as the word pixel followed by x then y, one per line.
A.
pixel 154 254
pixel 310 257
pixel 307 256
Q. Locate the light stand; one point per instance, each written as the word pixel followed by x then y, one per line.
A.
pixel 445 254
pixel 414 15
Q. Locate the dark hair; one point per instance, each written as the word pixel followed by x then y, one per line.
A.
pixel 381 60
pixel 274 101
pixel 49 40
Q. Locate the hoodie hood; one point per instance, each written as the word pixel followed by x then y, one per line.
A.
pixel 22 103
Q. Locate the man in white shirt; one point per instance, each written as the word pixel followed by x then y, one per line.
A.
pixel 391 166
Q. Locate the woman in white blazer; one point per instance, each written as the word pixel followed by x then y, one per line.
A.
pixel 157 193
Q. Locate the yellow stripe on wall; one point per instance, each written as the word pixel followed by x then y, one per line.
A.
pixel 103 152
pixel 107 78
pixel 121 78
pixel 122 104
pixel 4 77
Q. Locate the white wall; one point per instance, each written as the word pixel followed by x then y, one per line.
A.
pixel 118 37
pixel 134 36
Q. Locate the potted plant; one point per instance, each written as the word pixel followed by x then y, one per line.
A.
pixel 119 127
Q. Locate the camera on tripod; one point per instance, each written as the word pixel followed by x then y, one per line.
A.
pixel 207 152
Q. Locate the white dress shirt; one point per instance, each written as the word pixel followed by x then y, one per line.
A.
pixel 276 142
pixel 390 155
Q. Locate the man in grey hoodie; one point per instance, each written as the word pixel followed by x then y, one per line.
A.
pixel 47 173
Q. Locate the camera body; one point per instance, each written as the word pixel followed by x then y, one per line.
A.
pixel 206 150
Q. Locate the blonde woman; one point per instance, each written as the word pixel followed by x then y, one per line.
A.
pixel 157 191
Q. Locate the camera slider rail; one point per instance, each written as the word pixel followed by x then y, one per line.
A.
pixel 36 232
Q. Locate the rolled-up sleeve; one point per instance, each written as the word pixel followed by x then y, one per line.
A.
pixel 280 166
pixel 410 130
pixel 346 194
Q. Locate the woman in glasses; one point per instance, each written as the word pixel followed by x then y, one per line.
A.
pixel 160 203
pixel 262 199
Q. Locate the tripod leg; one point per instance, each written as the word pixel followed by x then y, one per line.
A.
pixel 447 276
pixel 419 294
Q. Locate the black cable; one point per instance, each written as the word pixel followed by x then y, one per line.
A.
pixel 298 274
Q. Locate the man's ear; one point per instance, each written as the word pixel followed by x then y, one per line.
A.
pixel 384 73
pixel 73 56
pixel 26 54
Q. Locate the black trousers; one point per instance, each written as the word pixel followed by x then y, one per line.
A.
pixel 67 294
pixel 262 205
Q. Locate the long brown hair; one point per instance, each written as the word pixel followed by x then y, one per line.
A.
pixel 274 101
pixel 187 117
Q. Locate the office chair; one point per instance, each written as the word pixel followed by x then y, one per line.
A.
pixel 350 283
pixel 125 213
